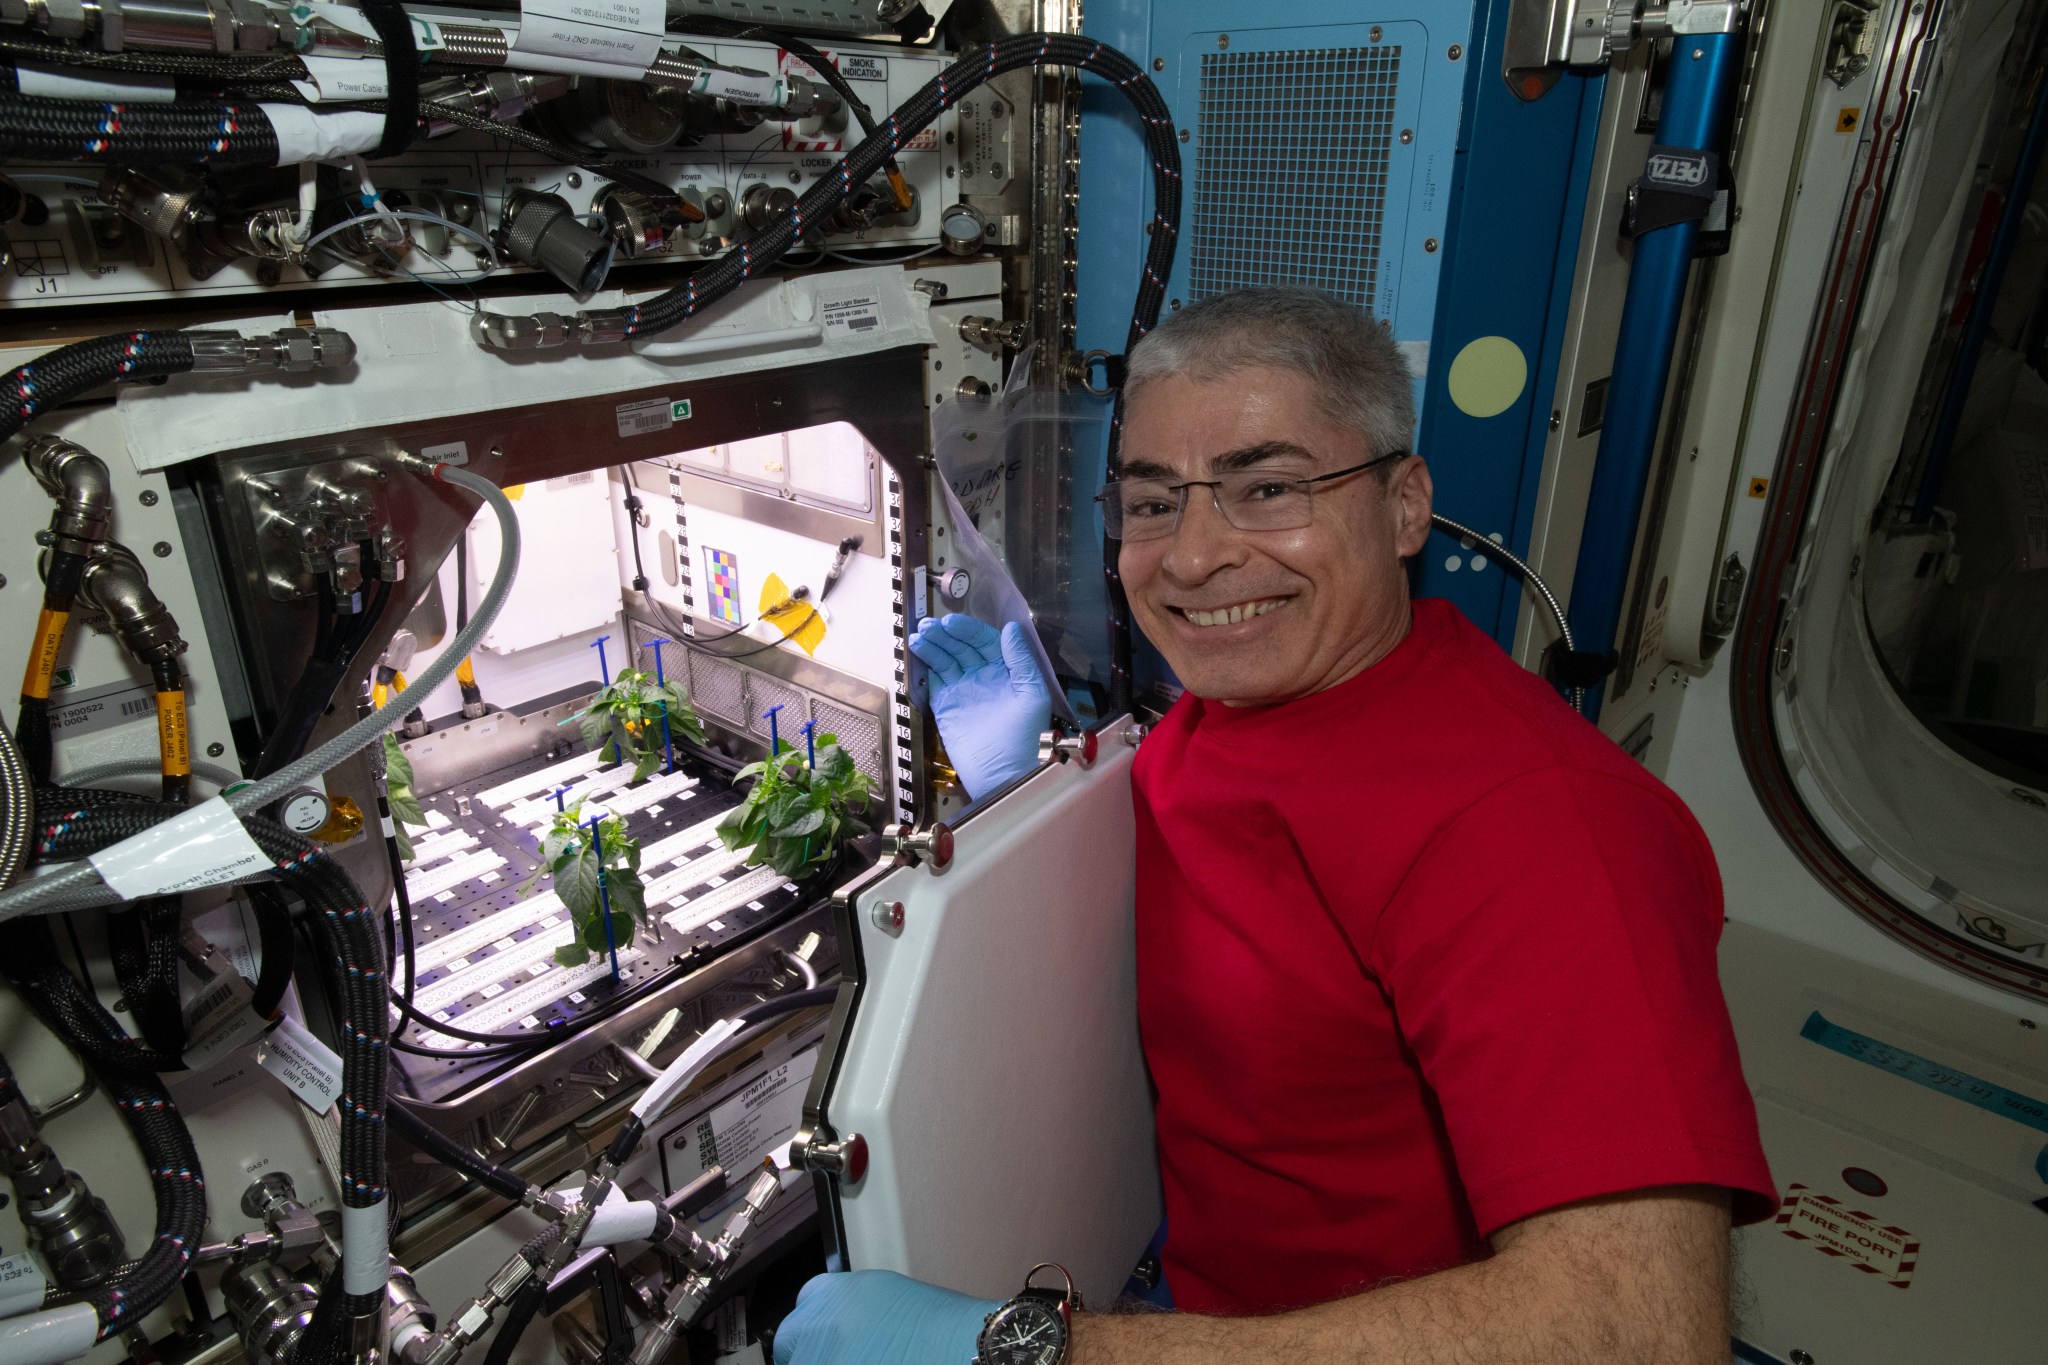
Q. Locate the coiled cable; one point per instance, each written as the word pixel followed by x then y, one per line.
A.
pixel 80 886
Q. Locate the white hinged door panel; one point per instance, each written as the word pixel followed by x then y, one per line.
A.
pixel 993 1063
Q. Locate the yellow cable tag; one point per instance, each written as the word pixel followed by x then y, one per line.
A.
pixel 42 660
pixel 173 737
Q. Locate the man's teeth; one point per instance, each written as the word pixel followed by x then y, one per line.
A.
pixel 1230 616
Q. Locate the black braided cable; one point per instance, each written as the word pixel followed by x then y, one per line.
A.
pixel 716 279
pixel 205 66
pixel 183 132
pixel 401 74
pixel 142 940
pixel 31 390
pixel 139 1286
pixel 68 827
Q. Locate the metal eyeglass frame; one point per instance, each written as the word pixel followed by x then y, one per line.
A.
pixel 1181 489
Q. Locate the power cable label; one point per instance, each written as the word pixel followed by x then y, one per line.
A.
pixel 343 78
pixel 590 37
pixel 303 1064
pixel 203 846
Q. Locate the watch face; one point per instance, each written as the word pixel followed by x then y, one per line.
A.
pixel 1026 1332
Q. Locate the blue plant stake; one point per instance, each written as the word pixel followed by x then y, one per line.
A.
pixel 811 742
pixel 667 744
pixel 774 731
pixel 559 807
pixel 604 897
pixel 605 671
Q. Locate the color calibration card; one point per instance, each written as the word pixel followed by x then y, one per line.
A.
pixel 722 572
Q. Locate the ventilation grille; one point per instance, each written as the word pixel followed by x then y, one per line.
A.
pixel 1291 170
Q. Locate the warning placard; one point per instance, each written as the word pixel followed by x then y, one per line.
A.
pixel 1835 1229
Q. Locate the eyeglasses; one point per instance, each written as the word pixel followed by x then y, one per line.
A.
pixel 1249 499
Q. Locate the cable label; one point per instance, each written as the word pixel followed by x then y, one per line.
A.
pixel 42 660
pixel 220 1019
pixel 590 37
pixel 173 734
pixel 203 846
pixel 22 1284
pixel 302 1064
pixel 343 78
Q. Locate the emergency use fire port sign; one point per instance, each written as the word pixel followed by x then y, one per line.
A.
pixel 1837 1230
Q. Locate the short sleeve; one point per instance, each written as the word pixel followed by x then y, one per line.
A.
pixel 1551 962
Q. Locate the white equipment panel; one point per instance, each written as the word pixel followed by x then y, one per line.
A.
pixel 993 1064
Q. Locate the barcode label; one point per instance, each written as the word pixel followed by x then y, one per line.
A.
pixel 859 313
pixel 647 415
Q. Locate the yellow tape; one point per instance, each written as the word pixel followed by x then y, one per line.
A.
pixel 465 672
pixel 42 660
pixel 173 737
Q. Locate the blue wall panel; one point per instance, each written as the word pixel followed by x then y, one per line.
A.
pixel 1479 233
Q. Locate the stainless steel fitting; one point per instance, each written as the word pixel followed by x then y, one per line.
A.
pixel 294 350
pixel 117 586
pixel 79 481
pixel 993 335
pixel 544 331
pixel 296 1228
pixel 270 1307
pixel 164 200
pixel 64 1220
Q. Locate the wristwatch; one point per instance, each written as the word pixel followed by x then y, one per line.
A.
pixel 1032 1329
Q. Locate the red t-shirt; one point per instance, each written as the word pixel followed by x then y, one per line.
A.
pixel 1419 955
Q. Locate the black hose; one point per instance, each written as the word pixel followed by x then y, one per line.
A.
pixel 30 959
pixel 138 1287
pixel 526 1299
pixel 352 952
pixel 827 70
pixel 718 278
pixel 142 939
pixel 69 371
pixel 206 66
pixel 174 737
pixel 61 578
pixel 278 944
pixel 183 132
pixel 401 74
pixel 415 1129
pixel 313 693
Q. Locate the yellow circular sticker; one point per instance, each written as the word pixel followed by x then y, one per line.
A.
pixel 1488 376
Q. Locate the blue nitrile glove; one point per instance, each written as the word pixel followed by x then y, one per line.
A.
pixel 988 695
pixel 877 1317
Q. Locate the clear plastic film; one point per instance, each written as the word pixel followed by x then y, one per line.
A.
pixel 1007 459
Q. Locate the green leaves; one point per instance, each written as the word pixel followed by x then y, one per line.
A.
pixel 579 865
pixel 625 716
pixel 796 817
pixel 398 795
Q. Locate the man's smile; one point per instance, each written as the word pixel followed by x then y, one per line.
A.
pixel 1230 615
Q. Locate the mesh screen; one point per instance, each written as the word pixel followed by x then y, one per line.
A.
pixel 1291 170
pixel 718 689
pixel 859 735
pixel 764 692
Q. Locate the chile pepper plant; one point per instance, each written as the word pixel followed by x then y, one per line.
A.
pixel 627 712
pixel 577 863
pixel 799 814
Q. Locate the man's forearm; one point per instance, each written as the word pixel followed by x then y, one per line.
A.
pixel 1565 1298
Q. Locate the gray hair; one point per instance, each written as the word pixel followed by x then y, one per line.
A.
pixel 1358 372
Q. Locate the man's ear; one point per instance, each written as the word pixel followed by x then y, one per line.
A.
pixel 1412 497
